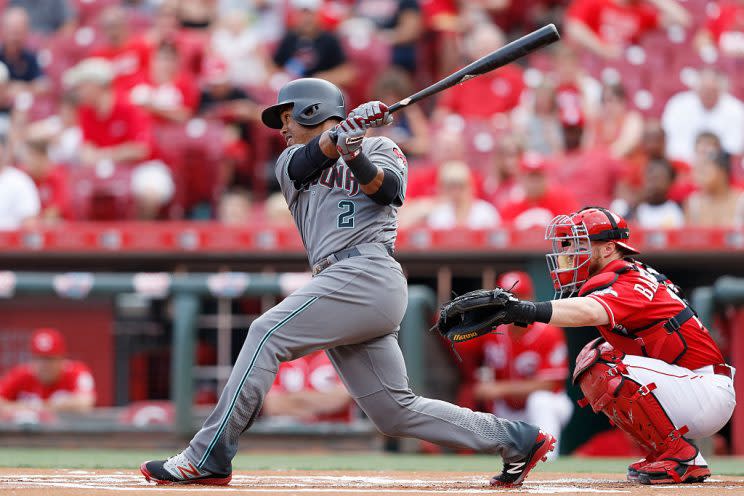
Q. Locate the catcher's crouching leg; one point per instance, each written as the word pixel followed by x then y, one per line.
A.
pixel 633 407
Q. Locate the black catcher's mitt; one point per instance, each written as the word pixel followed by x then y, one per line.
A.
pixel 475 313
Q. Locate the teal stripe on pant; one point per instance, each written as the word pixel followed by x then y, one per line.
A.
pixel 226 417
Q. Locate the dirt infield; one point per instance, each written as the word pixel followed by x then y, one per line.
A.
pixel 35 482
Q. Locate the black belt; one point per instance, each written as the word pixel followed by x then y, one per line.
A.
pixel 341 255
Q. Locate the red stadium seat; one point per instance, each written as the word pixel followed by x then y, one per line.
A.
pixel 94 197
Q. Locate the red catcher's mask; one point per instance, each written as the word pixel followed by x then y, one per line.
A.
pixel 571 237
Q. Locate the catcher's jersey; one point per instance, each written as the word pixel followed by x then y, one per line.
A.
pixel 332 213
pixel 635 300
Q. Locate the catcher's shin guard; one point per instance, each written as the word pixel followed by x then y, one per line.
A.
pixel 633 408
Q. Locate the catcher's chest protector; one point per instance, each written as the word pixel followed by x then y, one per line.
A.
pixel 632 407
pixel 663 339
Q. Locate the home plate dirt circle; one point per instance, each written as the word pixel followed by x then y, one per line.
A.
pixel 37 482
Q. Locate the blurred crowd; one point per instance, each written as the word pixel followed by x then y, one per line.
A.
pixel 149 109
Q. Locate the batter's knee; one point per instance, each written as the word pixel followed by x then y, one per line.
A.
pixel 389 411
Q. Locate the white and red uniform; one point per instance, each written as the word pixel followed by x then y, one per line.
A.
pixel 21 384
pixel 540 353
pixel 680 358
pixel 313 372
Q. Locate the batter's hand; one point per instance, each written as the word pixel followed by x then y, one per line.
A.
pixel 350 134
pixel 375 114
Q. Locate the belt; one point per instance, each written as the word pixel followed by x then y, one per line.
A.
pixel 354 251
pixel 723 369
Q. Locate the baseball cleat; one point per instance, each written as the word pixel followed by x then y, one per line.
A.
pixel 515 472
pixel 179 470
pixel 635 467
pixel 672 472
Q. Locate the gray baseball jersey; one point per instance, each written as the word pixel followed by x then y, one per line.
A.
pixel 332 213
pixel 352 309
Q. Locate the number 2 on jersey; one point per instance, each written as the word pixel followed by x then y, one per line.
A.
pixel 346 217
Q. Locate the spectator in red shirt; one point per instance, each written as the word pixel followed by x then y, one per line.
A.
pixel 48 384
pixel 524 369
pixel 617 126
pixel 130 58
pixel 493 93
pixel 168 94
pixel 51 179
pixel 310 390
pixel 500 185
pixel 537 201
pixel 578 93
pixel 723 31
pixel 117 132
pixel 607 27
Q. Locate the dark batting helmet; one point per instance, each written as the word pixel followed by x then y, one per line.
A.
pixel 313 102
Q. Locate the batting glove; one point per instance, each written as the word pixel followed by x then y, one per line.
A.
pixel 350 133
pixel 375 114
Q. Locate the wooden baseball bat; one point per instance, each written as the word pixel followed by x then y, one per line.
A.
pixel 498 58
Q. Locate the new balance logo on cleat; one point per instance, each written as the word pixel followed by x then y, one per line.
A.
pixel 514 473
pixel 180 470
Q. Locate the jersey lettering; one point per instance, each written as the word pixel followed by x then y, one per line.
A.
pixel 339 176
pixel 648 284
pixel 346 217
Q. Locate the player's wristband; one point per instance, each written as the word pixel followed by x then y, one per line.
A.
pixel 527 312
pixel 364 170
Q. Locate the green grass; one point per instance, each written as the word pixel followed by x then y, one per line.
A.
pixel 129 459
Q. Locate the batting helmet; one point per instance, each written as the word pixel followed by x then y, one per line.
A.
pixel 313 101
pixel 571 237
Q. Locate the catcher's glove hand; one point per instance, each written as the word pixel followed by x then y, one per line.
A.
pixel 476 313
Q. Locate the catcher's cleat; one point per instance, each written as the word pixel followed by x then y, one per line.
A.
pixel 675 465
pixel 515 472
pixel 179 470
pixel 634 467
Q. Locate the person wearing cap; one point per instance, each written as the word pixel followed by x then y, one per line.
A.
pixel 307 50
pixel 523 370
pixel 536 200
pixel 49 382
pixel 115 131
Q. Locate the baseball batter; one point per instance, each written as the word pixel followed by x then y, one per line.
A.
pixel 655 372
pixel 344 196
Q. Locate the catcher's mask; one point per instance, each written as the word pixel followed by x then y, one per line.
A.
pixel 571 237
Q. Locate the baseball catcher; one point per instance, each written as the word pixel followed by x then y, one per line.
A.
pixel 655 371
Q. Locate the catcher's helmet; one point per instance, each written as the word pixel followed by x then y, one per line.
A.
pixel 313 102
pixel 571 236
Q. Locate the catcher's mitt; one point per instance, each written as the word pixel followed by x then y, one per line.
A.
pixel 475 313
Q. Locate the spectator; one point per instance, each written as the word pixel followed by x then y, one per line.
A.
pixel 410 129
pixel 617 127
pixel 48 16
pixel 708 108
pixel 525 369
pixel 308 50
pixel 25 72
pixel 537 201
pixel 267 16
pixel 67 138
pixel 166 93
pixel 578 94
pixel 607 27
pixel 716 203
pixel 277 212
pixel 114 130
pixel 196 14
pixel 657 210
pixel 309 389
pixel 240 45
pixel 495 92
pixel 723 31
pixel 6 101
pixel 19 199
pixel 130 58
pixel 401 25
pixel 500 185
pixel 457 205
pixel 51 179
pixel 234 208
pixel 539 121
pixel 594 177
pixel 50 383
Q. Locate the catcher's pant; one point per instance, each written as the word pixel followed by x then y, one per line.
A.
pixel 353 308
pixel 548 410
pixel 699 399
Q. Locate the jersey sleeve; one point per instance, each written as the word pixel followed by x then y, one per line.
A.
pixel 282 175
pixel 384 153
pixel 586 12
pixel 622 300
pixel 11 384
